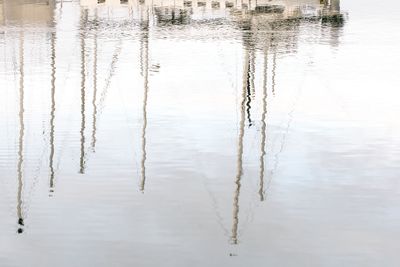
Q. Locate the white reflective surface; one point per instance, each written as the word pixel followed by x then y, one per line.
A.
pixel 203 134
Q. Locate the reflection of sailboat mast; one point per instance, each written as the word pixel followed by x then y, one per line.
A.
pixel 250 80
pixel 240 152
pixel 144 55
pixel 273 71
pixel 248 86
pixel 253 71
pixel 83 82
pixel 263 126
pixel 21 135
pixel 94 126
pixel 250 71
pixel 53 107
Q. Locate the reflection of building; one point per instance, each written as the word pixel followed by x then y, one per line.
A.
pixel 168 12
pixel 27 11
pixel 1 13
pixel 282 8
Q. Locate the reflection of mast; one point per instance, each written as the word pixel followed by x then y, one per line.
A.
pixel 263 126
pixel 273 71
pixel 21 135
pixel 144 56
pixel 83 82
pixel 250 71
pixel 273 44
pixel 248 86
pixel 253 71
pixel 53 107
pixel 94 126
pixel 239 172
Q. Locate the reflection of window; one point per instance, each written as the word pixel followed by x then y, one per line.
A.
pixel 187 3
pixel 200 4
pixel 228 4
pixel 215 4
pixel 270 9
pixel 123 1
pixel 101 1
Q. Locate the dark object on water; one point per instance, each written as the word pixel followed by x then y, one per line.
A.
pixel 21 223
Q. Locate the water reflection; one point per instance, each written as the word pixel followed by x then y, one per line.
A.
pixel 20 214
pixel 239 171
pixel 110 61
pixel 281 9
pixel 273 71
pixel 53 109
pixel 249 85
pixel 262 26
pixel 261 191
pixel 94 104
pixel 144 66
pixel 32 12
pixel 84 18
pixel 265 29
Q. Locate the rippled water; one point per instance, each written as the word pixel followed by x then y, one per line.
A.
pixel 199 133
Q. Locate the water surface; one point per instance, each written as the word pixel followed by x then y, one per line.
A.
pixel 204 133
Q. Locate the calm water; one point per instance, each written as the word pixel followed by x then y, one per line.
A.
pixel 199 134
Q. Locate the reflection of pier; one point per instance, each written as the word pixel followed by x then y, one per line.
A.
pixel 182 10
